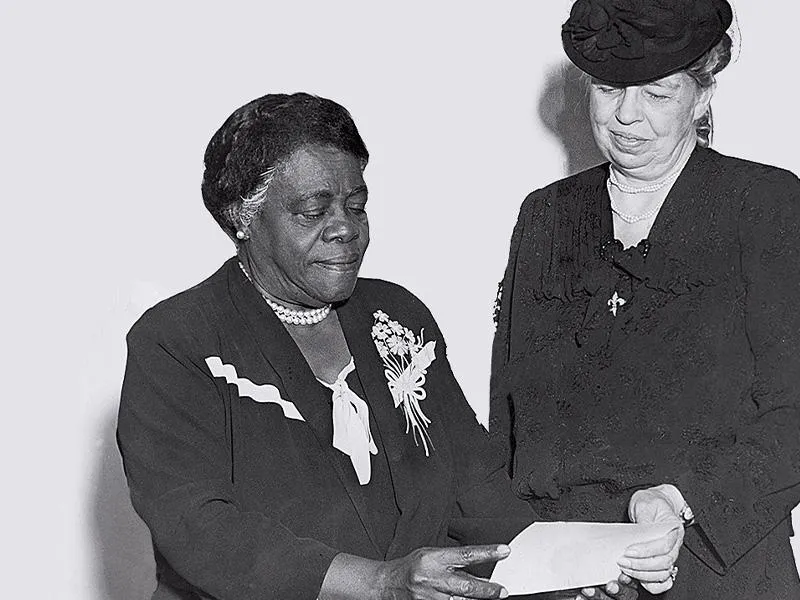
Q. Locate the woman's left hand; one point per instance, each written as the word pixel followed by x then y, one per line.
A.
pixel 622 589
pixel 653 563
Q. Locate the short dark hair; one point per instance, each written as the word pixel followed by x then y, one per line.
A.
pixel 258 135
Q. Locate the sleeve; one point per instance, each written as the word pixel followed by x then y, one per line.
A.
pixel 753 488
pixel 175 449
pixel 486 509
pixel 500 404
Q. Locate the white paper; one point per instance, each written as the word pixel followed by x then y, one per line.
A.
pixel 546 557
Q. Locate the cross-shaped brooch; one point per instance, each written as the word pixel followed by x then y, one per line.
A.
pixel 615 302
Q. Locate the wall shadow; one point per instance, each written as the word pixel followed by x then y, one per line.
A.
pixel 563 107
pixel 124 567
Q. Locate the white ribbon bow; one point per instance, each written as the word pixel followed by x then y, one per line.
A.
pixel 406 388
pixel 351 433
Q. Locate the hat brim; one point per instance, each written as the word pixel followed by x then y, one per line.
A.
pixel 652 65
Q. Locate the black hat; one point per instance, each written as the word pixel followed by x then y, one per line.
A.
pixel 629 42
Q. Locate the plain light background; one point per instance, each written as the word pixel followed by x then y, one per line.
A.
pixel 106 110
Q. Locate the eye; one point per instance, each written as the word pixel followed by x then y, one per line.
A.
pixel 312 215
pixel 357 203
pixel 607 89
pixel 656 96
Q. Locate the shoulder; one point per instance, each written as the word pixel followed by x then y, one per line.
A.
pixel 565 193
pixel 768 196
pixel 393 299
pixel 764 200
pixel 185 313
pixel 378 292
pixel 746 175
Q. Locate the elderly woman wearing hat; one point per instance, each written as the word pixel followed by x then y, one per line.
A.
pixel 289 430
pixel 648 326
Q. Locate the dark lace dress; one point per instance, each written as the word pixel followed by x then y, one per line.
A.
pixel 677 361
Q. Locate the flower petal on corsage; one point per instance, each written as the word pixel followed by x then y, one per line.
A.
pixel 265 393
pixel 406 357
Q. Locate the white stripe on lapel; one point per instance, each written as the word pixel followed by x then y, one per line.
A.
pixel 260 393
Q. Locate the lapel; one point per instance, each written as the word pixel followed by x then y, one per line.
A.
pixel 680 238
pixel 677 233
pixel 356 319
pixel 298 381
pixel 420 517
pixel 671 228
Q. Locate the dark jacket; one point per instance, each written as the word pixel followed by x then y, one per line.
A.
pixel 245 503
pixel 694 382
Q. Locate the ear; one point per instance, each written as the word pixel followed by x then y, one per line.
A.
pixel 242 234
pixel 704 100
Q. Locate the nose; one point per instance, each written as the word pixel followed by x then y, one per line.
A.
pixel 628 109
pixel 342 228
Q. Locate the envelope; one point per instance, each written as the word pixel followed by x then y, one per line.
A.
pixel 546 557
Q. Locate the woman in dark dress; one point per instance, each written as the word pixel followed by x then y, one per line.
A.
pixel 290 430
pixel 649 323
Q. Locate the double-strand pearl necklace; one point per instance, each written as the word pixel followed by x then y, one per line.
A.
pixel 645 189
pixel 613 181
pixel 289 315
pixel 630 219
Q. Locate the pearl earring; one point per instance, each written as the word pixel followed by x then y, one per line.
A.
pixel 240 235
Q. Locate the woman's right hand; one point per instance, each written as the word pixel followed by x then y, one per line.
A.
pixel 436 574
pixel 653 563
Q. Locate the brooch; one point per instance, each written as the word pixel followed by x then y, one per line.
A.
pixel 406 357
pixel 615 302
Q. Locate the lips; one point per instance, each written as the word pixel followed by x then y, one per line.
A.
pixel 344 262
pixel 628 143
pixel 628 137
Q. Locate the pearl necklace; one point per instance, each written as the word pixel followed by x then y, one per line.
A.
pixel 612 181
pixel 630 219
pixel 645 189
pixel 289 315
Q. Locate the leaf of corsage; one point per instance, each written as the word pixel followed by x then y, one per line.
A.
pixel 423 359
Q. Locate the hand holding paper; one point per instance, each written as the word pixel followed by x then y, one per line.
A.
pixel 558 556
pixel 660 504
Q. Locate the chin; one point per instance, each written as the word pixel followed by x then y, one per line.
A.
pixel 337 291
pixel 627 160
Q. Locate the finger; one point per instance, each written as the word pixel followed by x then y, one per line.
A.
pixel 437 595
pixel 656 547
pixel 594 593
pixel 658 588
pixel 459 584
pixel 649 576
pixel 612 587
pixel 624 579
pixel 462 556
pixel 657 563
pixel 654 563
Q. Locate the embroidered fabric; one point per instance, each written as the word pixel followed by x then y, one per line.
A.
pixel 693 382
pixel 351 433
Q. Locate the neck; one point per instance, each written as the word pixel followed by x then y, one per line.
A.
pixel 258 279
pixel 677 160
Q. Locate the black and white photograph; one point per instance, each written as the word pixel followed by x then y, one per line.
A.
pixel 423 301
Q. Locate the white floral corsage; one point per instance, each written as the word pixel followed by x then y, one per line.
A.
pixel 407 358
